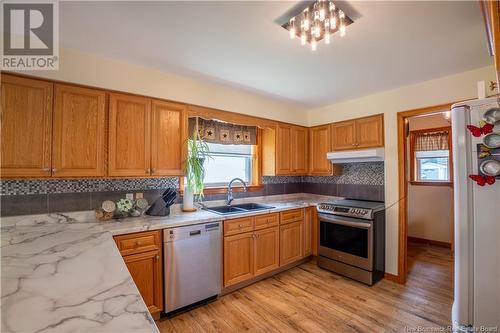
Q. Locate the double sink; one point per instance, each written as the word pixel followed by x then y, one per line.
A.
pixel 237 209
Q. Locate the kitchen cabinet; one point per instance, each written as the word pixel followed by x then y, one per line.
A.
pixel 284 150
pixel 491 11
pixel 266 250
pixel 142 254
pixel 79 132
pixel 168 138
pixel 319 145
pixel 129 135
pixel 238 258
pixel 308 231
pixel 146 137
pixel 359 133
pixel 26 127
pixel 291 242
pixel 299 140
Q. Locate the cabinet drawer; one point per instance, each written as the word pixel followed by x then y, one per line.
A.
pixel 138 242
pixel 236 226
pixel 265 221
pixel 292 215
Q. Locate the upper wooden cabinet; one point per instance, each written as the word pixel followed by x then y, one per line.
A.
pixel 129 135
pixel 319 145
pixel 168 138
pixel 26 125
pixel 491 11
pixel 359 133
pixel 146 137
pixel 299 140
pixel 284 150
pixel 79 132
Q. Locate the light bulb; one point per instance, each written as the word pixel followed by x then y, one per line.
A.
pixel 316 15
pixel 327 38
pixel 303 39
pixel 332 7
pixel 317 32
pixel 342 29
pixel 333 22
pixel 322 14
pixel 313 45
pixel 292 32
pixel 306 24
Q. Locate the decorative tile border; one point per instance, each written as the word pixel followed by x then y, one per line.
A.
pixel 369 173
pixel 48 186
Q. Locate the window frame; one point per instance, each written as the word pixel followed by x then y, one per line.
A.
pixel 256 173
pixel 413 158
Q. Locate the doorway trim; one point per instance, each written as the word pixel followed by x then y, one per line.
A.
pixel 403 183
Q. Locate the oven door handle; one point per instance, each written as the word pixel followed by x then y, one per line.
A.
pixel 337 220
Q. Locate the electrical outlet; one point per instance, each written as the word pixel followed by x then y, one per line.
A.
pixel 139 195
pixel 129 196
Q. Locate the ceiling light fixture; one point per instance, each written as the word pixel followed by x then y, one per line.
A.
pixel 318 21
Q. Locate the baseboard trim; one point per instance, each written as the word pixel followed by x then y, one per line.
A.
pixel 391 277
pixel 429 241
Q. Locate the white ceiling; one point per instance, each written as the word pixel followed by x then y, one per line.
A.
pixel 390 44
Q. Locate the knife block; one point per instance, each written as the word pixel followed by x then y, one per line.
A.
pixel 158 208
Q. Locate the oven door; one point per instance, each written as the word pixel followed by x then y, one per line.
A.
pixel 346 239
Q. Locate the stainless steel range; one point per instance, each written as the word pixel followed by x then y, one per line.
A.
pixel 352 239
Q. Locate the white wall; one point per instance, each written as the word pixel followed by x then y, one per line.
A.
pixel 429 207
pixel 439 91
pixel 88 69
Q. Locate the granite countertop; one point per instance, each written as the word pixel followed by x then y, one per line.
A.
pixel 64 273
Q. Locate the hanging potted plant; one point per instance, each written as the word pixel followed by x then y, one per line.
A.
pixel 198 152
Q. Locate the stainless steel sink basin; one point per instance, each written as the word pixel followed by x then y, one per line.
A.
pixel 253 206
pixel 237 209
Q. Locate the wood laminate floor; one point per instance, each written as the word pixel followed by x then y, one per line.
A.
pixel 309 299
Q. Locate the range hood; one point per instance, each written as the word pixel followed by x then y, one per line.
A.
pixel 354 156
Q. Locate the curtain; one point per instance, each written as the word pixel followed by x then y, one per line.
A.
pixel 431 141
pixel 214 131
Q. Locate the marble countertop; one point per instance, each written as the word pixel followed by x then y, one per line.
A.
pixel 64 273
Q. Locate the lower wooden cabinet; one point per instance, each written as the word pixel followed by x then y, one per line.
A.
pixel 266 250
pixel 142 253
pixel 291 242
pixel 145 269
pixel 238 258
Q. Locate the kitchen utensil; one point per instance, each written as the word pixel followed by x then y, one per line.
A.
pixel 492 116
pixel 490 168
pixel 492 140
pixel 161 206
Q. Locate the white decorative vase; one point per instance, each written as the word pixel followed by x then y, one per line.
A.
pixel 188 199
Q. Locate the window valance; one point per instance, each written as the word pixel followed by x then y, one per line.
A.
pixel 223 133
pixel 429 141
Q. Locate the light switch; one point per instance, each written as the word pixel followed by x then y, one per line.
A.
pixel 129 196
pixel 139 195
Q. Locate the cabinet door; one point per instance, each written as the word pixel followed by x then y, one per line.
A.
pixel 370 132
pixel 344 135
pixel 168 138
pixel 238 258
pixel 266 250
pixel 26 126
pixel 319 146
pixel 299 150
pixel 79 130
pixel 308 235
pixel 145 269
pixel 291 242
pixel 283 150
pixel 129 135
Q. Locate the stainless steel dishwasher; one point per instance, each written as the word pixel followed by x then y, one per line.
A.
pixel 192 264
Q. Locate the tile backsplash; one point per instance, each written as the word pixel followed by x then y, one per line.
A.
pixel 20 197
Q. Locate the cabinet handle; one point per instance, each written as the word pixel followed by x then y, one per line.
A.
pixel 54 170
pixel 46 170
pixel 241 226
pixel 153 171
pixel 148 171
pixel 157 257
pixel 138 243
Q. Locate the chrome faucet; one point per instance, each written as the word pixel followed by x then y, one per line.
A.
pixel 230 189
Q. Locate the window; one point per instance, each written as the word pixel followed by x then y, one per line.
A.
pixel 430 156
pixel 228 162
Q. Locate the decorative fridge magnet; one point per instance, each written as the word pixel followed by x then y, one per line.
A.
pixel 484 128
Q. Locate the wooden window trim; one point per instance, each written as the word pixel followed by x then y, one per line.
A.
pixel 413 181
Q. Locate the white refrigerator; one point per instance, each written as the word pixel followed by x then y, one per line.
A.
pixel 477 225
